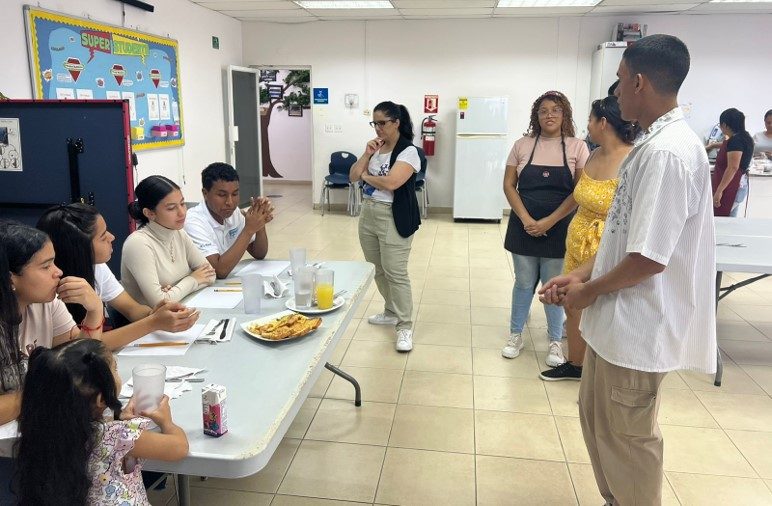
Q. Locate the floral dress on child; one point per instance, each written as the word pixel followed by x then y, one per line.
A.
pixel 115 478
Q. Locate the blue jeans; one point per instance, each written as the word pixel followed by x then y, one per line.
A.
pixel 742 193
pixel 528 272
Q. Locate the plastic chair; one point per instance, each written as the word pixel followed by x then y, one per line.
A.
pixel 340 166
pixel 421 185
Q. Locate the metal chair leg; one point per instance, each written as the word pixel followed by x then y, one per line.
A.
pixel 321 199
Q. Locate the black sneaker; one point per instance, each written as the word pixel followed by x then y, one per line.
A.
pixel 567 371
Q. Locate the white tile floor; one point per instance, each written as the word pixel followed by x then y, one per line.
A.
pixel 454 423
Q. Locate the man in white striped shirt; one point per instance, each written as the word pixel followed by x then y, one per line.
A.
pixel 649 291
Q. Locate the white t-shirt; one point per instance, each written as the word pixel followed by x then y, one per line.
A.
pixel 209 236
pixel 762 143
pixel 379 166
pixel 663 210
pixel 105 283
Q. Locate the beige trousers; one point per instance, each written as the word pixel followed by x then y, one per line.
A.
pixel 618 412
pixel 389 252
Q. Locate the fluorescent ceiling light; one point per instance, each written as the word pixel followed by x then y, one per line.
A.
pixel 345 4
pixel 548 3
pixel 740 1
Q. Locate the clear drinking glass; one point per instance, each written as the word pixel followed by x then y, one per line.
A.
pixel 325 288
pixel 252 288
pixel 297 259
pixel 148 382
pixel 303 287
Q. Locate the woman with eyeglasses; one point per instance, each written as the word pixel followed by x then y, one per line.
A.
pixel 390 216
pixel 542 170
pixel 594 193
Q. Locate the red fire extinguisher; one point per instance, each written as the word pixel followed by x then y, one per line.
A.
pixel 428 132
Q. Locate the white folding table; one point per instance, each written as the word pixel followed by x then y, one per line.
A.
pixel 742 245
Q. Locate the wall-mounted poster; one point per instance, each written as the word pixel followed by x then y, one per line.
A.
pixel 75 58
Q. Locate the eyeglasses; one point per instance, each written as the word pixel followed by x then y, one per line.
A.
pixel 380 124
pixel 555 111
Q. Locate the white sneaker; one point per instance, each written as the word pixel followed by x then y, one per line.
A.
pixel 555 357
pixel 404 340
pixel 513 347
pixel 382 319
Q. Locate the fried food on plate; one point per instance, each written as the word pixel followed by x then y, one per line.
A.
pixel 286 327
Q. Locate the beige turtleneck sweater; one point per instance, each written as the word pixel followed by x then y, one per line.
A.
pixel 155 256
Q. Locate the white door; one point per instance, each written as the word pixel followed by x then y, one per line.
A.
pixel 483 115
pixel 479 177
pixel 243 129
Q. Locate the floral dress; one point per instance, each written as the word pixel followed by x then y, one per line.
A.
pixel 115 478
pixel 594 198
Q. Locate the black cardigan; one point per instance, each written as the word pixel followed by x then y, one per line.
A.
pixel 407 218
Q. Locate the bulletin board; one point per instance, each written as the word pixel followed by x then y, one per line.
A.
pixel 74 58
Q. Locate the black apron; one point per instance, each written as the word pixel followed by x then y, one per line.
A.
pixel 542 189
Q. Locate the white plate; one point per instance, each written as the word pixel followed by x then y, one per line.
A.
pixel 266 319
pixel 336 303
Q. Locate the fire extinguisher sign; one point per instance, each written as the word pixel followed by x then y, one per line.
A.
pixel 431 104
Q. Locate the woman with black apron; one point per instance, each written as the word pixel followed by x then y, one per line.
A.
pixel 542 169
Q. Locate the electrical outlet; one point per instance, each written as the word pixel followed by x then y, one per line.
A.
pixel 329 128
pixel 338 129
pixel 366 112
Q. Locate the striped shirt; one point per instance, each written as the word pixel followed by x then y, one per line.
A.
pixel 663 210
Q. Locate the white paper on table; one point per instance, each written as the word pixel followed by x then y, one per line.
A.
pixel 9 430
pixel 160 336
pixel 268 268
pixel 172 390
pixel 212 299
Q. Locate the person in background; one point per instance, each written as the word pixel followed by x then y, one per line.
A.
pixel 590 144
pixel 83 246
pixel 594 193
pixel 220 230
pixel 649 292
pixel 542 170
pixel 730 177
pixel 159 261
pixel 390 216
pixel 763 139
pixel 68 452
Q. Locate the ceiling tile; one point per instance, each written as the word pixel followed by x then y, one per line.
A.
pixel 538 11
pixel 442 4
pixel 734 7
pixel 354 13
pixel 246 6
pixel 284 13
pixel 446 12
pixel 606 3
pixel 607 9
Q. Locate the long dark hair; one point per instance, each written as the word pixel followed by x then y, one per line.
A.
pixel 71 229
pixel 58 421
pixel 150 191
pixel 735 120
pixel 567 127
pixel 18 244
pixel 608 108
pixel 398 111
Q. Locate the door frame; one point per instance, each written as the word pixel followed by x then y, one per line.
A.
pixel 231 133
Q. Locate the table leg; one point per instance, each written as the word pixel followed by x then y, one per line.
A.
pixel 350 379
pixel 719 363
pixel 183 489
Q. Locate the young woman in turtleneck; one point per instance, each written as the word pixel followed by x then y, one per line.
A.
pixel 159 260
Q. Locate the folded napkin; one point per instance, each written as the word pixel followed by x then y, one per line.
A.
pixel 216 324
pixel 173 390
pixel 274 287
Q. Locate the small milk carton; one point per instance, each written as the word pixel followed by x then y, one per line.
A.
pixel 215 413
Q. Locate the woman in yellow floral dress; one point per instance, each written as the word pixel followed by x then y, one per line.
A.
pixel 594 193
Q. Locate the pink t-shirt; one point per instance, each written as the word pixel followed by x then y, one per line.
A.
pixel 548 152
pixel 41 322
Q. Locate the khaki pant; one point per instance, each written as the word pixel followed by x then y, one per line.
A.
pixel 618 412
pixel 389 252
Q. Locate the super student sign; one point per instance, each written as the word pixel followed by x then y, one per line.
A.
pixel 74 58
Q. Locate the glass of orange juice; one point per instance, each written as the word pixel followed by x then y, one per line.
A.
pixel 325 288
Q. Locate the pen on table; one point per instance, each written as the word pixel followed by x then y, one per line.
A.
pixel 153 345
pixel 227 289
pixel 232 283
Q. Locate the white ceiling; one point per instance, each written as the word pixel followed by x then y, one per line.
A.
pixel 286 11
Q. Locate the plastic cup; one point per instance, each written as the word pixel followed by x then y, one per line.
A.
pixel 325 288
pixel 303 287
pixel 297 259
pixel 148 382
pixel 253 290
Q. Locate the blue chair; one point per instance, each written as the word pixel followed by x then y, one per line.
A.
pixel 421 185
pixel 340 166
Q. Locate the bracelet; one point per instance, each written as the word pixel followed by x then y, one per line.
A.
pixel 89 330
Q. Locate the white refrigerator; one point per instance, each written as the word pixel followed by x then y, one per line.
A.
pixel 481 155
